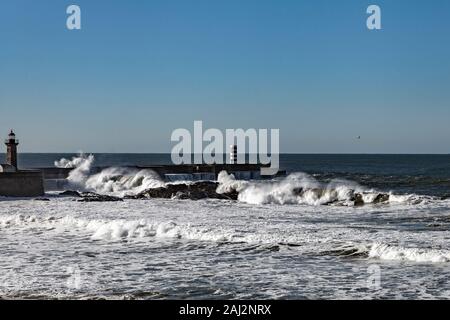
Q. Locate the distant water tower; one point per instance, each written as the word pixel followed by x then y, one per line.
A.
pixel 11 153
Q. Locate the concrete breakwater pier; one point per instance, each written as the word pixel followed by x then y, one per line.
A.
pixel 56 178
pixel 24 183
pixel 34 183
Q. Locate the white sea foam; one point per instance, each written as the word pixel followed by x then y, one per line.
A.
pixel 117 229
pixel 16 220
pixel 395 253
pixel 228 183
pixel 139 229
pixel 72 163
pixel 134 246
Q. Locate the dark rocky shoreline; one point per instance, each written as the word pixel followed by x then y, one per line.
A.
pixel 194 191
pixel 206 190
pixel 90 196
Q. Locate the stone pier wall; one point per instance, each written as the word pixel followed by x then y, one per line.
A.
pixel 21 184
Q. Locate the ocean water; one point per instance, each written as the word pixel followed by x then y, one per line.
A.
pixel 271 243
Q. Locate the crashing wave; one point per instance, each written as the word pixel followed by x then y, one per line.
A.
pixel 300 188
pixel 297 188
pixel 115 180
pixel 123 181
pixel 75 162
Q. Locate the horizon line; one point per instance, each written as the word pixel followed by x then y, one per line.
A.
pixel 281 153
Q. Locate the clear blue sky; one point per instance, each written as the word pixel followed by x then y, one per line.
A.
pixel 139 69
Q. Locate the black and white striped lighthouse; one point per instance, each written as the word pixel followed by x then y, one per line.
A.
pixel 233 154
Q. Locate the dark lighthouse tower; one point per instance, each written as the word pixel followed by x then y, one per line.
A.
pixel 11 153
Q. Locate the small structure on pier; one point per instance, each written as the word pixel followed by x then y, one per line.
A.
pixel 233 154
